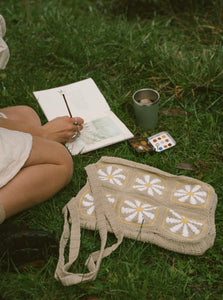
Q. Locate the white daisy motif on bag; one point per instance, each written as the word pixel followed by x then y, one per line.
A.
pixel 152 185
pixel 183 226
pixel 88 205
pixel 110 198
pixel 192 194
pixel 113 175
pixel 137 212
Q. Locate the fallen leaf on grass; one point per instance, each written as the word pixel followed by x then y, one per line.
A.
pixel 174 111
pixel 186 166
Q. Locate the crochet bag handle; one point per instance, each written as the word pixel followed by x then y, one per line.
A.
pixel 73 234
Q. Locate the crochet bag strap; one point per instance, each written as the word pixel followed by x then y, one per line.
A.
pixel 73 234
pixel 102 210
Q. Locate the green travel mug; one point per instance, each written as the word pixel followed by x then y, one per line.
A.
pixel 146 104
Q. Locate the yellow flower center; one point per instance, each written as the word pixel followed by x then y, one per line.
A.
pixel 110 176
pixel 190 194
pixel 148 185
pixel 184 221
pixel 139 209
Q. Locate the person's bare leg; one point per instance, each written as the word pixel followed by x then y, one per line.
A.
pixel 22 114
pixel 48 169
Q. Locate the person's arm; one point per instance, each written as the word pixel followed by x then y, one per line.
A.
pixel 60 129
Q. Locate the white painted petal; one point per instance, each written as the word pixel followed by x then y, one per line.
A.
pixel 140 181
pixel 122 177
pixel 199 198
pixel 127 210
pixel 147 206
pixel 185 231
pixel 150 208
pixel 137 203
pixel 87 203
pixel 103 178
pixel 118 182
pixel 150 191
pixel 131 217
pixel 109 170
pixel 149 215
pixel 184 198
pixel 193 200
pixel 102 173
pixel 195 188
pixel 147 178
pixel 89 197
pixel 140 218
pixel 119 176
pixel 155 180
pixel 193 228
pixel 91 210
pixel 175 214
pixel 117 171
pixel 180 193
pixel 157 190
pixel 130 203
pixel 172 220
pixel 139 187
pixel 111 199
pixel 161 187
pixel 187 187
pixel 201 194
pixel 176 227
pixel 195 222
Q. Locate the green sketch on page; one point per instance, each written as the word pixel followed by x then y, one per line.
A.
pixel 98 130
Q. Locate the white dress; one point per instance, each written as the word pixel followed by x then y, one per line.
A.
pixel 15 147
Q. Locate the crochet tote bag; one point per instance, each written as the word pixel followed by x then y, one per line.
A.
pixel 139 202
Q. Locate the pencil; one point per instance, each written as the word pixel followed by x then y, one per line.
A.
pixel 67 105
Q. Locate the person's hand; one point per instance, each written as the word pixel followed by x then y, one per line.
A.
pixel 62 129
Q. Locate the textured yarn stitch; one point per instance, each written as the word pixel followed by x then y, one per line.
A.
pixel 139 202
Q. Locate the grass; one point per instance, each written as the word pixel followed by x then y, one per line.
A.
pixel 173 47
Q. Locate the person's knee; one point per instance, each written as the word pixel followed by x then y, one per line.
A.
pixel 68 166
pixel 29 115
pixel 52 153
pixel 22 113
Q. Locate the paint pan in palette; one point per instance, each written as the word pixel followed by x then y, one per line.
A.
pixel 162 141
pixel 141 145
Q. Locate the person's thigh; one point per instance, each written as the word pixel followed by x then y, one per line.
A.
pixel 22 114
pixel 48 152
pixel 48 169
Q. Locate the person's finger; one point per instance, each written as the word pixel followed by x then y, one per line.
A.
pixel 73 138
pixel 78 128
pixel 77 120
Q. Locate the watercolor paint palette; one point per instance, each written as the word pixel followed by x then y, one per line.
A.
pixel 162 141
pixel 141 145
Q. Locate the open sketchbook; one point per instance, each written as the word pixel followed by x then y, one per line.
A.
pixel 101 126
